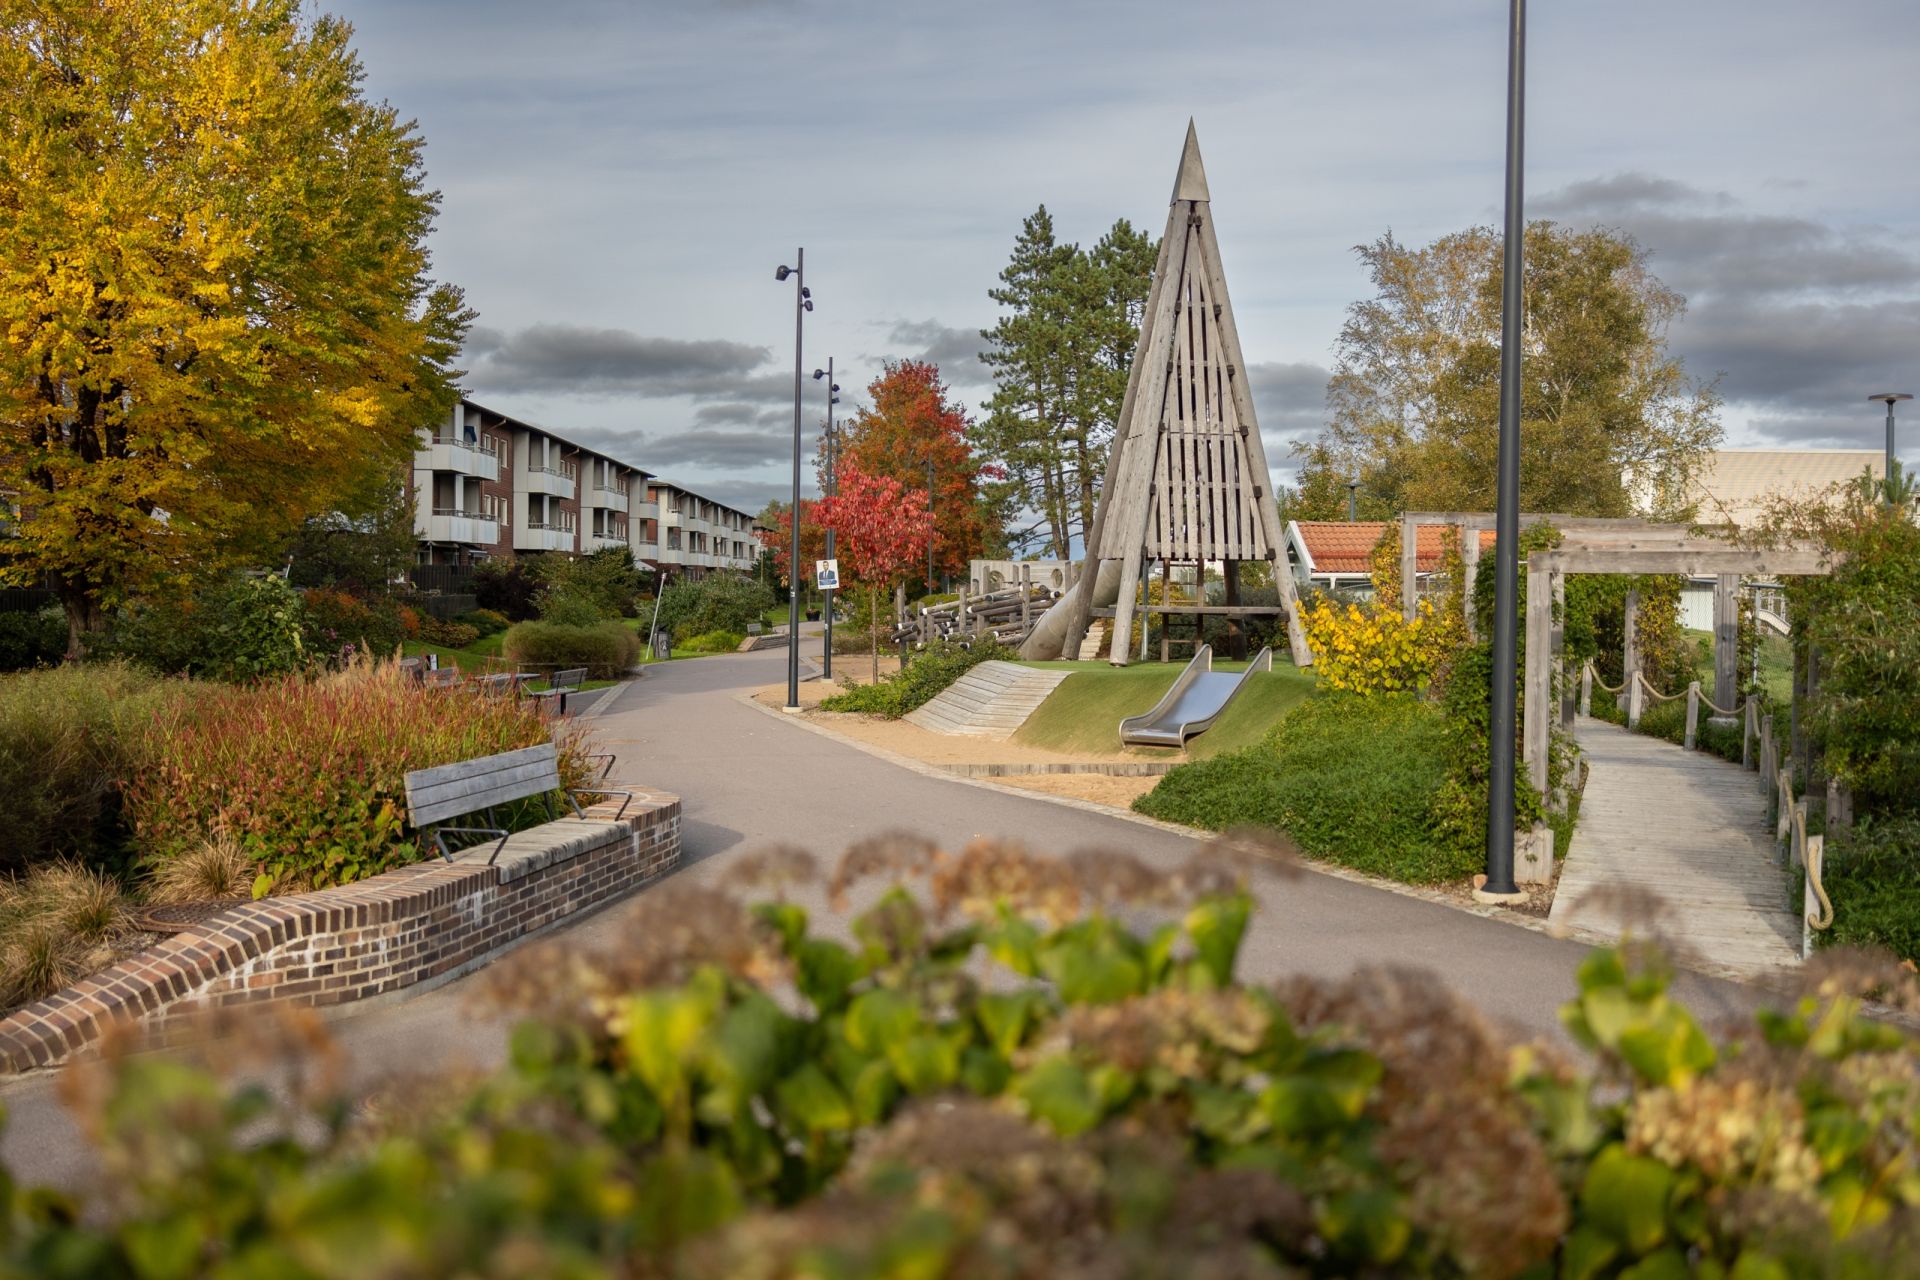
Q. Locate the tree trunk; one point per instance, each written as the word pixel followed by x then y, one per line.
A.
pixel 83 616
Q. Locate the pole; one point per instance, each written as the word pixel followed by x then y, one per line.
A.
pixel 930 525
pixel 1506 571
pixel 793 561
pixel 833 488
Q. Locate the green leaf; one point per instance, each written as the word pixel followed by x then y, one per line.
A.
pixel 811 1101
pixel 162 1248
pixel 1217 926
pixel 786 919
pixel 1626 1196
pixel 925 1061
pixel 878 1018
pixel 983 1072
pixel 1004 1018
pixel 874 1089
pixel 742 1049
pixel 1015 943
pixel 1060 1093
pixel 1302 1107
pixel 1668 1264
pixel 1587 1253
pixel 824 971
pixel 262 885
pixel 1090 972
pixel 1368 1223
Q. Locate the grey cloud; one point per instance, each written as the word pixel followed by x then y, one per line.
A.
pixel 1291 398
pixel 574 360
pixel 732 411
pixel 1801 320
pixel 956 351
pixel 723 450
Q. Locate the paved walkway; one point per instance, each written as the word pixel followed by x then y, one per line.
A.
pixel 747 778
pixel 1689 828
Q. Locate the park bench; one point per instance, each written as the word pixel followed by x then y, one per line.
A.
pixel 560 684
pixel 486 782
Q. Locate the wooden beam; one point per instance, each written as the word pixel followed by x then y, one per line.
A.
pixel 1409 568
pixel 1537 684
pixel 1789 562
pixel 1726 638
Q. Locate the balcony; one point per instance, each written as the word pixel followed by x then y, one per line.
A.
pixel 601 541
pixel 544 537
pixel 445 453
pixel 670 518
pixel 645 511
pixel 556 481
pixel 601 494
pixel 444 524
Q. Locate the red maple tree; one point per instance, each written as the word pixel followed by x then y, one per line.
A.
pixel 880 529
pixel 909 423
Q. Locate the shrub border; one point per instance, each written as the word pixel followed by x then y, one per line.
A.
pixel 414 924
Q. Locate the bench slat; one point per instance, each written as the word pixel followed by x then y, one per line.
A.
pixel 468 786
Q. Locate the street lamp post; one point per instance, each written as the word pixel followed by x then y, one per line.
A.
pixel 833 488
pixel 1353 501
pixel 1890 398
pixel 930 527
pixel 802 303
pixel 1506 574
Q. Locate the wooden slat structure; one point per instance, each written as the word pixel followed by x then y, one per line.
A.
pixel 990 701
pixel 1187 477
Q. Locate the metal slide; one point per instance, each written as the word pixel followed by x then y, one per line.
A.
pixel 1193 704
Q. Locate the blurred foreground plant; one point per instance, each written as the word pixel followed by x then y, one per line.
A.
pixel 1015 1066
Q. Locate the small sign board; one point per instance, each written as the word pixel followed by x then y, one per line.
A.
pixel 826 574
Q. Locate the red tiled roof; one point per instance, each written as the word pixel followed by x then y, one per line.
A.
pixel 1347 547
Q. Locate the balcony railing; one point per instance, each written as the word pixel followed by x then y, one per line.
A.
pixel 481 457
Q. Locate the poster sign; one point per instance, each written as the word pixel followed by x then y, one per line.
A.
pixel 826 574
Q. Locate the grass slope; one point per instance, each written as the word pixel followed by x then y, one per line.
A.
pixel 1083 715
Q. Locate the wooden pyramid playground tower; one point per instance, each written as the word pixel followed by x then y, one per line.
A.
pixel 1187 479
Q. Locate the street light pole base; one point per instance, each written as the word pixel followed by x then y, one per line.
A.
pixel 1480 894
pixel 794 710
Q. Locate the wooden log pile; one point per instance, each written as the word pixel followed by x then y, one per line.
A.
pixel 1007 616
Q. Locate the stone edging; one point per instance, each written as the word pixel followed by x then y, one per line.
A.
pixel 414 924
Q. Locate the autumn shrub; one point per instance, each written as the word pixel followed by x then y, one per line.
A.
pixel 607 650
pixel 308 775
pixel 69 738
pixel 339 626
pixel 1013 1066
pixel 1371 648
pixel 506 587
pixel 928 673
pixel 32 638
pixel 485 622
pixel 1350 779
pixel 451 635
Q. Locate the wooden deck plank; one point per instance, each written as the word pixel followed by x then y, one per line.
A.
pixel 991 701
pixel 1688 828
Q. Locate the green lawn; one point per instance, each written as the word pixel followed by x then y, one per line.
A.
pixel 1776 664
pixel 1083 715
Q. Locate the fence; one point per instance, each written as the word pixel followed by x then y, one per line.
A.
pixel 25 599
pixel 450 578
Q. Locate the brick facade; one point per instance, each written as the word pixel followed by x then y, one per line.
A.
pixel 414 924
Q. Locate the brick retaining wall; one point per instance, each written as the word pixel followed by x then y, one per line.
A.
pixel 406 926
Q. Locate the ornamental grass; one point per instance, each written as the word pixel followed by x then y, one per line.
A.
pixel 308 775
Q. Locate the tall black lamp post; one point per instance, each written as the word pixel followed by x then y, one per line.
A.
pixel 833 488
pixel 1506 573
pixel 932 529
pixel 802 303
pixel 1890 398
pixel 1353 501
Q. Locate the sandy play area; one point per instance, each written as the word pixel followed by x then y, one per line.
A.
pixel 941 749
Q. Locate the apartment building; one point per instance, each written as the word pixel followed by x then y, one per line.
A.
pixel 486 485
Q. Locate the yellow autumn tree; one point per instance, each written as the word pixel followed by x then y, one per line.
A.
pixel 216 317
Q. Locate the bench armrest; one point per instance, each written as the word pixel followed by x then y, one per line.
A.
pixel 626 798
pixel 440 839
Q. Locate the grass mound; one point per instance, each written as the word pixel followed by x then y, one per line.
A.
pixel 1083 715
pixel 1352 780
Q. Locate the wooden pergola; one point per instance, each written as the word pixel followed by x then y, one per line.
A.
pixel 1605 545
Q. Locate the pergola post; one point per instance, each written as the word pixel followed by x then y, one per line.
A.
pixel 1470 570
pixel 1560 681
pixel 1726 638
pixel 1536 684
pixel 1630 659
pixel 1409 567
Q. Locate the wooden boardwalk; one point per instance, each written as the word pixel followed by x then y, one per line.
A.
pixel 1689 829
pixel 990 701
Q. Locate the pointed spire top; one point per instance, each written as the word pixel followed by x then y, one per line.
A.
pixel 1191 184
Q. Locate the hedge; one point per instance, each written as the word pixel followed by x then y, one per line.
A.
pixel 607 650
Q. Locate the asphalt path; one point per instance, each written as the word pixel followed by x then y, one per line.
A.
pixel 747 779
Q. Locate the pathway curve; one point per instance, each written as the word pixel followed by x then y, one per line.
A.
pixel 747 778
pixel 1686 826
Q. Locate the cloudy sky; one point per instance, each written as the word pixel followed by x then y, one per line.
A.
pixel 621 177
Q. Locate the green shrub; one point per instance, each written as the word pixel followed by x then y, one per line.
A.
pixel 1351 779
pixel 69 738
pixel 718 602
pixel 1668 721
pixel 448 634
pixel 241 629
pixel 1039 1088
pixel 715 642
pixel 32 638
pixel 607 650
pixel 308 775
pixel 507 588
pixel 928 673
pixel 608 581
pixel 566 608
pixel 485 621
pixel 1872 877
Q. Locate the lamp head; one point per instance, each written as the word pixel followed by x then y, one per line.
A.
pixel 819 374
pixel 808 304
pixel 1891 398
pixel 782 272
pixel 835 387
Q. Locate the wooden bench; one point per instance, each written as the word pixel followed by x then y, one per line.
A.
pixel 560 684
pixel 478 785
